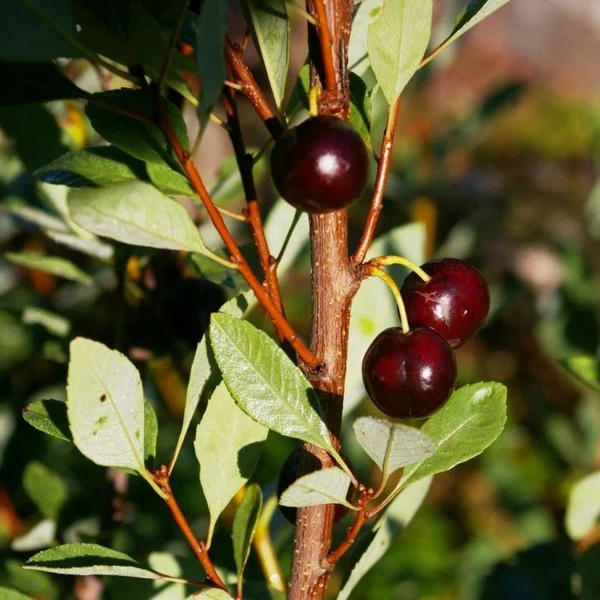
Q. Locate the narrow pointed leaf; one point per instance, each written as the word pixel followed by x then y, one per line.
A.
pixel 61 267
pixel 371 547
pixel 228 444
pixel 105 404
pixel 135 213
pixel 265 383
pixel 244 526
pixel 392 445
pixel 211 594
pixel 468 423
pixel 88 559
pixel 585 368
pixel 327 486
pixel 475 12
pixel 150 431
pixel 49 416
pixel 397 41
pixel 270 29
pixel 53 322
pixel 27 83
pixel 210 53
pixel 366 13
pixel 203 368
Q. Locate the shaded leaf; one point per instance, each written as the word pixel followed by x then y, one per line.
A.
pixel 397 41
pixel 360 109
pixel 210 55
pixel 28 83
pixel 49 416
pixel 366 13
pixel 89 246
pixel 46 489
pixel 270 29
pixel 211 594
pixel 467 424
pixel 150 432
pixel 105 405
pixel 474 13
pixel 202 369
pixel 583 507
pixel 135 213
pixel 8 594
pixel 585 368
pixel 170 182
pixel 266 384
pixel 392 445
pixel 36 30
pixel 244 526
pixel 371 547
pixel 228 444
pixel 61 267
pixel 125 118
pixel 88 559
pixel 327 486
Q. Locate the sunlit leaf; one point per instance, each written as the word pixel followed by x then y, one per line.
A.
pixel 326 486
pixel 583 508
pixel 61 267
pixel 474 13
pixel 49 416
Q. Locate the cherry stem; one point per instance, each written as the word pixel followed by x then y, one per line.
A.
pixel 388 280
pixel 389 259
pixel 282 325
pixel 383 171
pixel 234 54
pixel 161 479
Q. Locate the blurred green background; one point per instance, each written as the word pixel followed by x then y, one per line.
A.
pixel 498 157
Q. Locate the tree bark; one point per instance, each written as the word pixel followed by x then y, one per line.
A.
pixel 334 284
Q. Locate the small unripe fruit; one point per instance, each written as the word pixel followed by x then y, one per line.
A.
pixel 454 302
pixel 321 165
pixel 409 375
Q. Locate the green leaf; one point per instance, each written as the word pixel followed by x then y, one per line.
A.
pixel 41 535
pixel 467 424
pixel 370 548
pixel 228 444
pixel 46 489
pixel 583 507
pixel 397 41
pixel 28 83
pixel 36 30
pixel 474 13
pixel 105 404
pixel 91 247
pixel 150 432
pixel 61 267
pixel 211 594
pixel 135 213
pixel 220 274
pixel 8 594
pixel 49 416
pixel 585 368
pixel 270 29
pixel 360 109
pixel 265 383
pixel 88 559
pixel 53 323
pixel 392 445
pixel 170 182
pixel 125 118
pixel 102 166
pixel 366 323
pixel 210 55
pixel 326 486
pixel 244 526
pixel 202 369
pixel 366 13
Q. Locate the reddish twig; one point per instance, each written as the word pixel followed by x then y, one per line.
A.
pixel 324 34
pixel 283 327
pixel 243 77
pixel 161 477
pixel 383 170
pixel 252 212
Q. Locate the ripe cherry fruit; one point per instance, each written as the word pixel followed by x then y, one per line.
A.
pixel 409 375
pixel 289 474
pixel 321 165
pixel 454 302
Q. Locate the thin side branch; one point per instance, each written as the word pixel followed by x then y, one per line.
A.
pixel 383 171
pixel 324 33
pixel 244 78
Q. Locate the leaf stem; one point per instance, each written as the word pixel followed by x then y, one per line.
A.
pixel 161 479
pixel 282 325
pixel 383 171
pixel 234 54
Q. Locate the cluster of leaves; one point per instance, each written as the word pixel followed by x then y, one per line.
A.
pixel 242 384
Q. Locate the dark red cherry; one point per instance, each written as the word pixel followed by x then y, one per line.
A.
pixel 289 474
pixel 409 375
pixel 321 165
pixel 454 302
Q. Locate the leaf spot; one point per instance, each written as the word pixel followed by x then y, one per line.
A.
pixel 103 398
